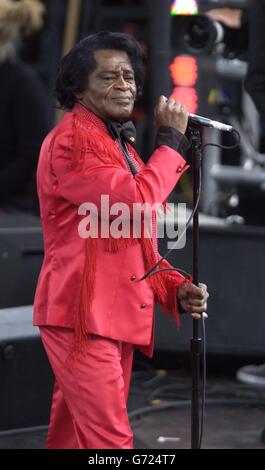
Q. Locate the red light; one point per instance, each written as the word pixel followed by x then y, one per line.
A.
pixel 186 96
pixel 184 71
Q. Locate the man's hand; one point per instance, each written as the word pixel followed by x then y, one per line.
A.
pixel 170 113
pixel 230 17
pixel 193 299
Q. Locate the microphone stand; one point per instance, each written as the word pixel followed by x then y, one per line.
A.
pixel 196 342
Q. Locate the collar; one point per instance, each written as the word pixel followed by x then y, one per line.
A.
pixel 89 116
pixel 118 129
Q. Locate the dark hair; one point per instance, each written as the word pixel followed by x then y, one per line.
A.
pixel 76 67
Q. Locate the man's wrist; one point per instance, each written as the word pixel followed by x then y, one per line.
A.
pixel 172 138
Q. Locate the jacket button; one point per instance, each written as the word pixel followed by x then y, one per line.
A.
pixel 143 306
pixel 180 168
pixel 133 278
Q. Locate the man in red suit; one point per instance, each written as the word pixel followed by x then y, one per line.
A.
pixel 91 305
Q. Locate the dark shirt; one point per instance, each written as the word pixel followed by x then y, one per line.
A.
pixel 24 122
pixel 255 80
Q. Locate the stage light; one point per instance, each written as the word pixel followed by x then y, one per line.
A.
pixel 184 71
pixel 184 74
pixel 187 96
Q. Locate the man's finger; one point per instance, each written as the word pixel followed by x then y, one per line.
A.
pixel 196 316
pixel 196 292
pixel 197 302
pixel 161 103
pixel 203 287
pixel 200 309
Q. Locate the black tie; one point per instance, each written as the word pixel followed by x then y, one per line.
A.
pixel 124 132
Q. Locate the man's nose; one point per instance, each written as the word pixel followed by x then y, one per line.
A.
pixel 121 83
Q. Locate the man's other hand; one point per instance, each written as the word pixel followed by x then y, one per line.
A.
pixel 193 299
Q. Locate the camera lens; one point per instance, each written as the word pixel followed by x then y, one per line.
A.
pixel 200 34
pixel 197 34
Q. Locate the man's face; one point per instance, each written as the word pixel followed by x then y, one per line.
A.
pixel 111 90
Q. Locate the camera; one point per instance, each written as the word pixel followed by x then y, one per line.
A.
pixel 199 35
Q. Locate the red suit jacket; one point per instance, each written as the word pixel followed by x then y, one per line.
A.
pixel 122 307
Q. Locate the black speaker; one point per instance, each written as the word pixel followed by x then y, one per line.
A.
pixel 26 377
pixel 232 264
pixel 21 255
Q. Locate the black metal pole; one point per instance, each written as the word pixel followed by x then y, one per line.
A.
pixel 159 81
pixel 196 140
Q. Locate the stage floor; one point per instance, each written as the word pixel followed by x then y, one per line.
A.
pixel 234 415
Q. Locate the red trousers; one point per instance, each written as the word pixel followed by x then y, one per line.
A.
pixel 89 401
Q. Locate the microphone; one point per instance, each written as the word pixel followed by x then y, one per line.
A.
pixel 209 123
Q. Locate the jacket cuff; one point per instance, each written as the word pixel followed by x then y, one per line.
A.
pixel 172 138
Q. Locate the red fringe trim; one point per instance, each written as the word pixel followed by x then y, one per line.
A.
pixel 79 146
pixel 89 137
pixel 86 297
